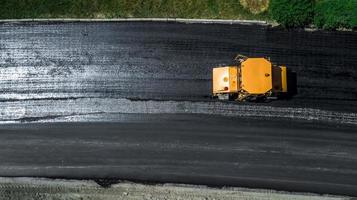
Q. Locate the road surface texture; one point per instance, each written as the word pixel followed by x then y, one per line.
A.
pixel 45 189
pixel 131 101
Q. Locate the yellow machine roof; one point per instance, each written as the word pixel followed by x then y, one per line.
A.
pixel 256 75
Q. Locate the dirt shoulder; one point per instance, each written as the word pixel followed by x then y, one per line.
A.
pixel 34 188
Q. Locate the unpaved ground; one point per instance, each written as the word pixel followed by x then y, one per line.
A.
pixel 47 189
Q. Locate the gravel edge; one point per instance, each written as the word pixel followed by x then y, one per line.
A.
pixel 179 20
pixel 41 188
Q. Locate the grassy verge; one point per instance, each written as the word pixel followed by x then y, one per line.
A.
pixel 212 9
pixel 325 14
pixel 334 14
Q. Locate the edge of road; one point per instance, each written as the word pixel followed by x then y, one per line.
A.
pixel 32 188
pixel 172 20
pixel 178 20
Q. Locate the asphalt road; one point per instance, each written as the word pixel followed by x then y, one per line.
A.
pixel 142 91
pixel 190 149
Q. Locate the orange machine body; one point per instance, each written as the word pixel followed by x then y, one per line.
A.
pixel 253 77
pixel 225 80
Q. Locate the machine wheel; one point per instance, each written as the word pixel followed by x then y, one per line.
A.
pixel 223 97
pixel 255 98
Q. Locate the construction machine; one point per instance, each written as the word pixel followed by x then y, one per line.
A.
pixel 252 79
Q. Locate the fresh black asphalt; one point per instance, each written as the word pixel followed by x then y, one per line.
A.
pixel 131 101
